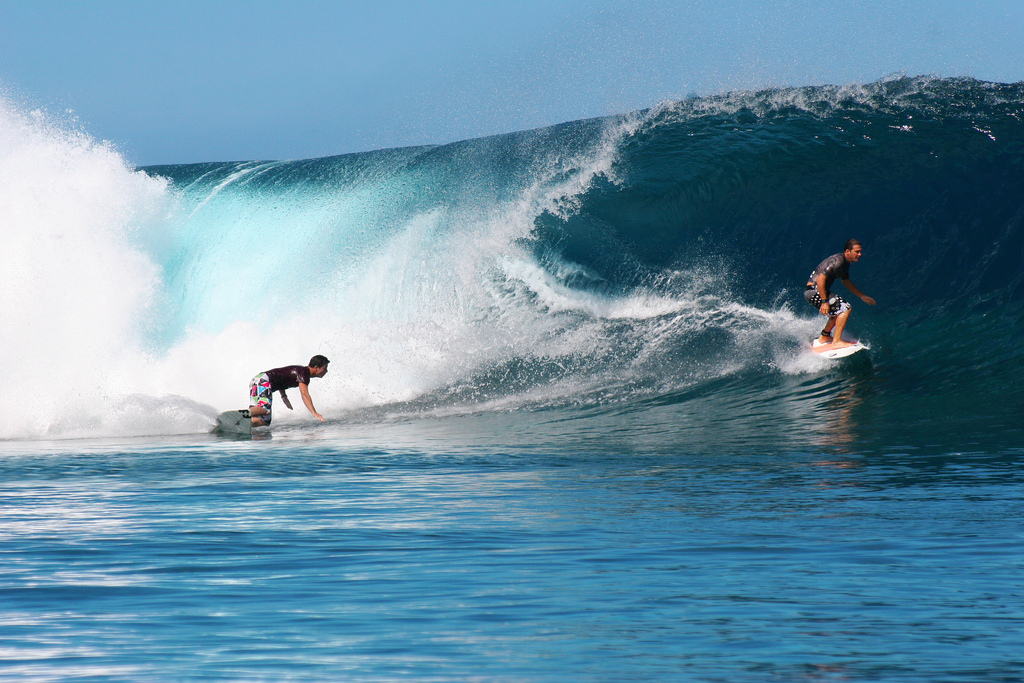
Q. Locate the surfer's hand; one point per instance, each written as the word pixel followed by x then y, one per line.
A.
pixel 823 309
pixel 868 300
pixel 319 417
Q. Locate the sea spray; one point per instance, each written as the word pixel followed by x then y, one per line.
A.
pixel 77 290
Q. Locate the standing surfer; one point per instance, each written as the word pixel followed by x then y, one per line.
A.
pixel 263 386
pixel 818 293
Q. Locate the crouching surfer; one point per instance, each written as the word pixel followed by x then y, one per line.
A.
pixel 819 293
pixel 263 386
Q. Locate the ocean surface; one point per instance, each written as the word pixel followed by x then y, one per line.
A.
pixel 574 429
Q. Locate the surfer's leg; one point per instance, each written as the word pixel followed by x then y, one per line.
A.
pixel 837 333
pixel 261 411
pixel 260 416
pixel 838 314
pixel 811 295
pixel 826 333
pixel 261 400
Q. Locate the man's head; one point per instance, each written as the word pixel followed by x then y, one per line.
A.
pixel 318 366
pixel 853 251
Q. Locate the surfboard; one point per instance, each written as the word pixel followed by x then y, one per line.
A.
pixel 234 422
pixel 826 350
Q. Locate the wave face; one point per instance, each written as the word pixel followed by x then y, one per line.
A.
pixel 616 265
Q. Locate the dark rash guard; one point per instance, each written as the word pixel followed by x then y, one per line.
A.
pixel 288 377
pixel 834 267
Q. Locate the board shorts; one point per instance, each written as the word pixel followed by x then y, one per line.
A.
pixel 261 395
pixel 836 303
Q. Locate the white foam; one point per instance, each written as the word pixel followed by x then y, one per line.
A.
pixel 426 303
pixel 76 292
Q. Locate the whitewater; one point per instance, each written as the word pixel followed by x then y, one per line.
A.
pixel 573 425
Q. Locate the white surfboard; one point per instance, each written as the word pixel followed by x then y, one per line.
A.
pixel 826 350
pixel 234 422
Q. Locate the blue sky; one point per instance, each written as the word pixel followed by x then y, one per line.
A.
pixel 185 81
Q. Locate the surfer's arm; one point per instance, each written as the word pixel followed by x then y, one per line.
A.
pixel 287 403
pixel 819 282
pixel 304 390
pixel 856 292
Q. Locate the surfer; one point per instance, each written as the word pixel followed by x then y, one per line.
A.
pixel 819 293
pixel 263 386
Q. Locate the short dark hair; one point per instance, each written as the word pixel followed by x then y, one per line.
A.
pixel 850 244
pixel 318 362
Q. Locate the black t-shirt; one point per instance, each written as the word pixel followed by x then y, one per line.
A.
pixel 834 267
pixel 288 377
